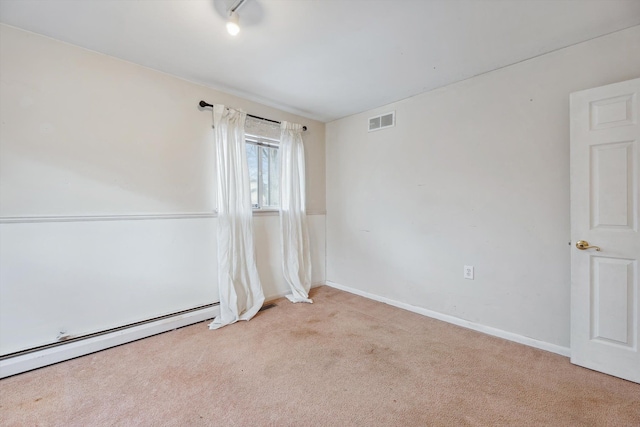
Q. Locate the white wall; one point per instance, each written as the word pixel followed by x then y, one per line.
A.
pixel 107 192
pixel 475 173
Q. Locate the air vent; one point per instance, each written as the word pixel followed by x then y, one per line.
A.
pixel 382 121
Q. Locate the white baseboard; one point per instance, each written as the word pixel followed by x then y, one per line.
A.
pixel 521 339
pixel 49 356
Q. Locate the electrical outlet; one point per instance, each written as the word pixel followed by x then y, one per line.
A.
pixel 468 272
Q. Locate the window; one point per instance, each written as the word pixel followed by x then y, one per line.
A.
pixel 262 157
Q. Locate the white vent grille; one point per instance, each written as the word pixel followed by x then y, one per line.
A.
pixel 382 121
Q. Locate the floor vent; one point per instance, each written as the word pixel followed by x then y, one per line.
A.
pixel 382 121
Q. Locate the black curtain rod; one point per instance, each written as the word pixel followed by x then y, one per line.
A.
pixel 206 104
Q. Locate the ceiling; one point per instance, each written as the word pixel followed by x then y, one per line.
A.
pixel 324 59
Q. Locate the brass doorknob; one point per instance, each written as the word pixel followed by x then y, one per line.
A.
pixel 583 245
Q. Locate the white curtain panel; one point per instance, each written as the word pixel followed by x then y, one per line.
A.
pixel 296 257
pixel 241 294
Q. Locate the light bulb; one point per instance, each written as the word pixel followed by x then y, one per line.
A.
pixel 232 24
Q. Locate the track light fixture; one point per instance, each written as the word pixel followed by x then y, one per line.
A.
pixel 233 23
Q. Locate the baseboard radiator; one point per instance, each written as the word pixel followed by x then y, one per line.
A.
pixel 69 347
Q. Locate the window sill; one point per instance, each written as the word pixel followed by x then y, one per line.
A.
pixel 266 212
pixel 269 212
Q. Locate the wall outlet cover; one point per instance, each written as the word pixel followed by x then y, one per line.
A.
pixel 468 272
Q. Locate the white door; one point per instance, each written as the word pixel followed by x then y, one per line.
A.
pixel 605 156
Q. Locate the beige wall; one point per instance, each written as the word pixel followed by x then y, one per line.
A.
pixel 83 135
pixel 475 173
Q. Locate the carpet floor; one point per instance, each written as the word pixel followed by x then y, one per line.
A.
pixel 342 361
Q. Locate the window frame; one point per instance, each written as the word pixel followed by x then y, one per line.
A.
pixel 262 143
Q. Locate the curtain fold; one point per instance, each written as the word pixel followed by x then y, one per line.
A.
pixel 296 257
pixel 241 294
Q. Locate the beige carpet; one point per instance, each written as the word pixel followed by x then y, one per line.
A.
pixel 341 361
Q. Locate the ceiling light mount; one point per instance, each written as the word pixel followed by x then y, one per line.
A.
pixel 233 23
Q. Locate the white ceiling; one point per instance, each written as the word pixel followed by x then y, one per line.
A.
pixel 324 59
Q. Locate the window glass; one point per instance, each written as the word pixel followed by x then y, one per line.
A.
pixel 262 159
pixel 252 161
